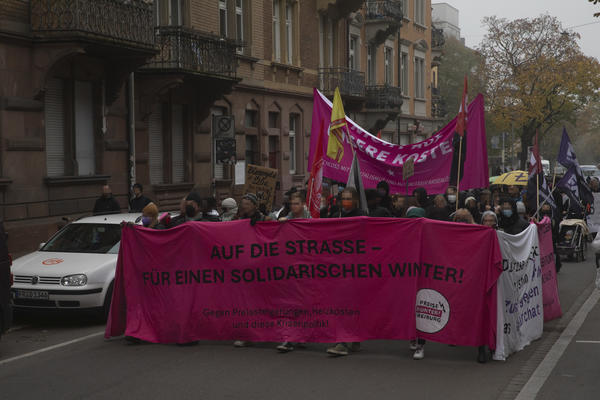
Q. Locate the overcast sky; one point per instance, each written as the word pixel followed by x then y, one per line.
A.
pixel 569 12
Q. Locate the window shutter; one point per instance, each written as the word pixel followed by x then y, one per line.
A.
pixel 155 146
pixel 177 152
pixel 84 129
pixel 55 127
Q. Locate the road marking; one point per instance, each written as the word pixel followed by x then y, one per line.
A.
pixel 588 341
pixel 45 349
pixel 17 328
pixel 537 380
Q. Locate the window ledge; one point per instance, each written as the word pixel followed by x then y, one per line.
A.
pixel 289 67
pixel 420 99
pixel 4 182
pixel 76 180
pixel 418 25
pixel 405 96
pixel 166 187
pixel 247 58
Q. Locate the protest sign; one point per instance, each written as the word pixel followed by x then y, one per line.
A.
pixel 593 219
pixel 434 157
pixel 550 297
pixel 261 181
pixel 326 280
pixel 520 305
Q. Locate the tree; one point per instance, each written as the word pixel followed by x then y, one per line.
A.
pixel 458 61
pixel 536 76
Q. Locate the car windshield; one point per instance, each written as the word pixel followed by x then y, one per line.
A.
pixel 86 238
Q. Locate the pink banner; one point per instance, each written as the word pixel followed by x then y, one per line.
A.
pixel 551 300
pixel 435 158
pixel 323 280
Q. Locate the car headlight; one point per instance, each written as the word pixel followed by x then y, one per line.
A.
pixel 74 280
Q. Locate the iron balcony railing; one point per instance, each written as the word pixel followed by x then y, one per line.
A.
pixel 189 50
pixel 350 82
pixel 383 9
pixel 125 21
pixel 437 37
pixel 383 97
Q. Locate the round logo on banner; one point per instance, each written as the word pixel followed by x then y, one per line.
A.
pixel 52 261
pixel 432 310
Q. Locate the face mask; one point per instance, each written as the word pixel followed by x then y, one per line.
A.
pixel 507 213
pixel 347 205
pixel 190 211
pixel 452 198
pixel 146 221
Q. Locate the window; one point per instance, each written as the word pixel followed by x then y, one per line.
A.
pixel 160 149
pixel 330 42
pixel 404 4
pixel 177 144
pixel 239 20
pixel 419 78
pixel 251 119
pixel 353 56
pixel 273 119
pixel 176 12
pixel 293 148
pixel 252 150
pixel 55 127
pixel 75 146
pixel 389 71
pixel 371 65
pixel 156 146
pixel 157 12
pixel 276 32
pixel 404 139
pixel 223 17
pixel 289 32
pixel 420 12
pixel 404 73
pixel 322 24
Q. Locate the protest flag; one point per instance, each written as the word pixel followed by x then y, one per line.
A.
pixel 355 181
pixel 573 182
pixel 335 144
pixel 538 191
pixel 315 181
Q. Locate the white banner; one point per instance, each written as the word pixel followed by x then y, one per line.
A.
pixel 520 302
pixel 593 220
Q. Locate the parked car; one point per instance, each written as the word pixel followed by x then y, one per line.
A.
pixel 5 283
pixel 75 269
pixel 590 170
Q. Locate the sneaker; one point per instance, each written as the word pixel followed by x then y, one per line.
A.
pixel 339 349
pixel 419 353
pixel 413 345
pixel 241 343
pixel 285 347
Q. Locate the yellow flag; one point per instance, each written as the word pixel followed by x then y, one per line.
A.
pixel 335 145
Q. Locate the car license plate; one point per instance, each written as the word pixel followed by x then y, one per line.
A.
pixel 32 294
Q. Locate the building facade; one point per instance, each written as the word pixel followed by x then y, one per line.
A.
pixel 144 91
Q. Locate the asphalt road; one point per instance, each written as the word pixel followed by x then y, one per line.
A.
pixel 64 356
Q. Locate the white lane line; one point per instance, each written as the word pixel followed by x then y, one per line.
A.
pixel 537 380
pixel 17 328
pixel 588 341
pixel 49 348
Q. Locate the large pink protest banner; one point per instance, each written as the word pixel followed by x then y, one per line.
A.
pixel 436 159
pixel 308 281
pixel 552 309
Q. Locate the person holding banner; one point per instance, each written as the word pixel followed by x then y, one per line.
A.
pixel 350 208
pixel 510 222
pixel 489 219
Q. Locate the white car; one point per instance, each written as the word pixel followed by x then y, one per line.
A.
pixel 590 170
pixel 75 269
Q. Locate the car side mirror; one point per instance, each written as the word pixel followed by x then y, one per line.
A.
pixel 42 245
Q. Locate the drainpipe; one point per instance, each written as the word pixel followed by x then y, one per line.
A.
pixel 131 130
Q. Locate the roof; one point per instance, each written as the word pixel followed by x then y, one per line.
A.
pixel 109 218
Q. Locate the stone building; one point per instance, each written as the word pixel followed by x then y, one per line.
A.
pixel 102 91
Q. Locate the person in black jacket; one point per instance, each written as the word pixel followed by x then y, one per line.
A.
pixel 510 222
pixel 384 190
pixel 106 204
pixel 373 201
pixel 139 201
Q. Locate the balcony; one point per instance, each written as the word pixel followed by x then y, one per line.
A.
pixel 185 50
pixel 115 23
pixel 350 82
pixel 437 38
pixel 384 97
pixel 336 9
pixel 383 19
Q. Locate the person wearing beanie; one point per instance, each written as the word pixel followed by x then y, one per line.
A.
pixel 415 212
pixel 230 209
pixel 490 219
pixel 471 205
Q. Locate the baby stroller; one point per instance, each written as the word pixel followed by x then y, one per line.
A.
pixel 572 239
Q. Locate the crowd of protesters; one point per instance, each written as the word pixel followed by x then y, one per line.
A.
pixel 498 207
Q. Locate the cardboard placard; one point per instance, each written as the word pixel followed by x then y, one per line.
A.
pixel 408 169
pixel 261 181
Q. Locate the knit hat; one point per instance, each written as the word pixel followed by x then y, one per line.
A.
pixel 252 197
pixel 486 213
pixel 470 198
pixel 229 203
pixel 415 212
pixel 520 207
